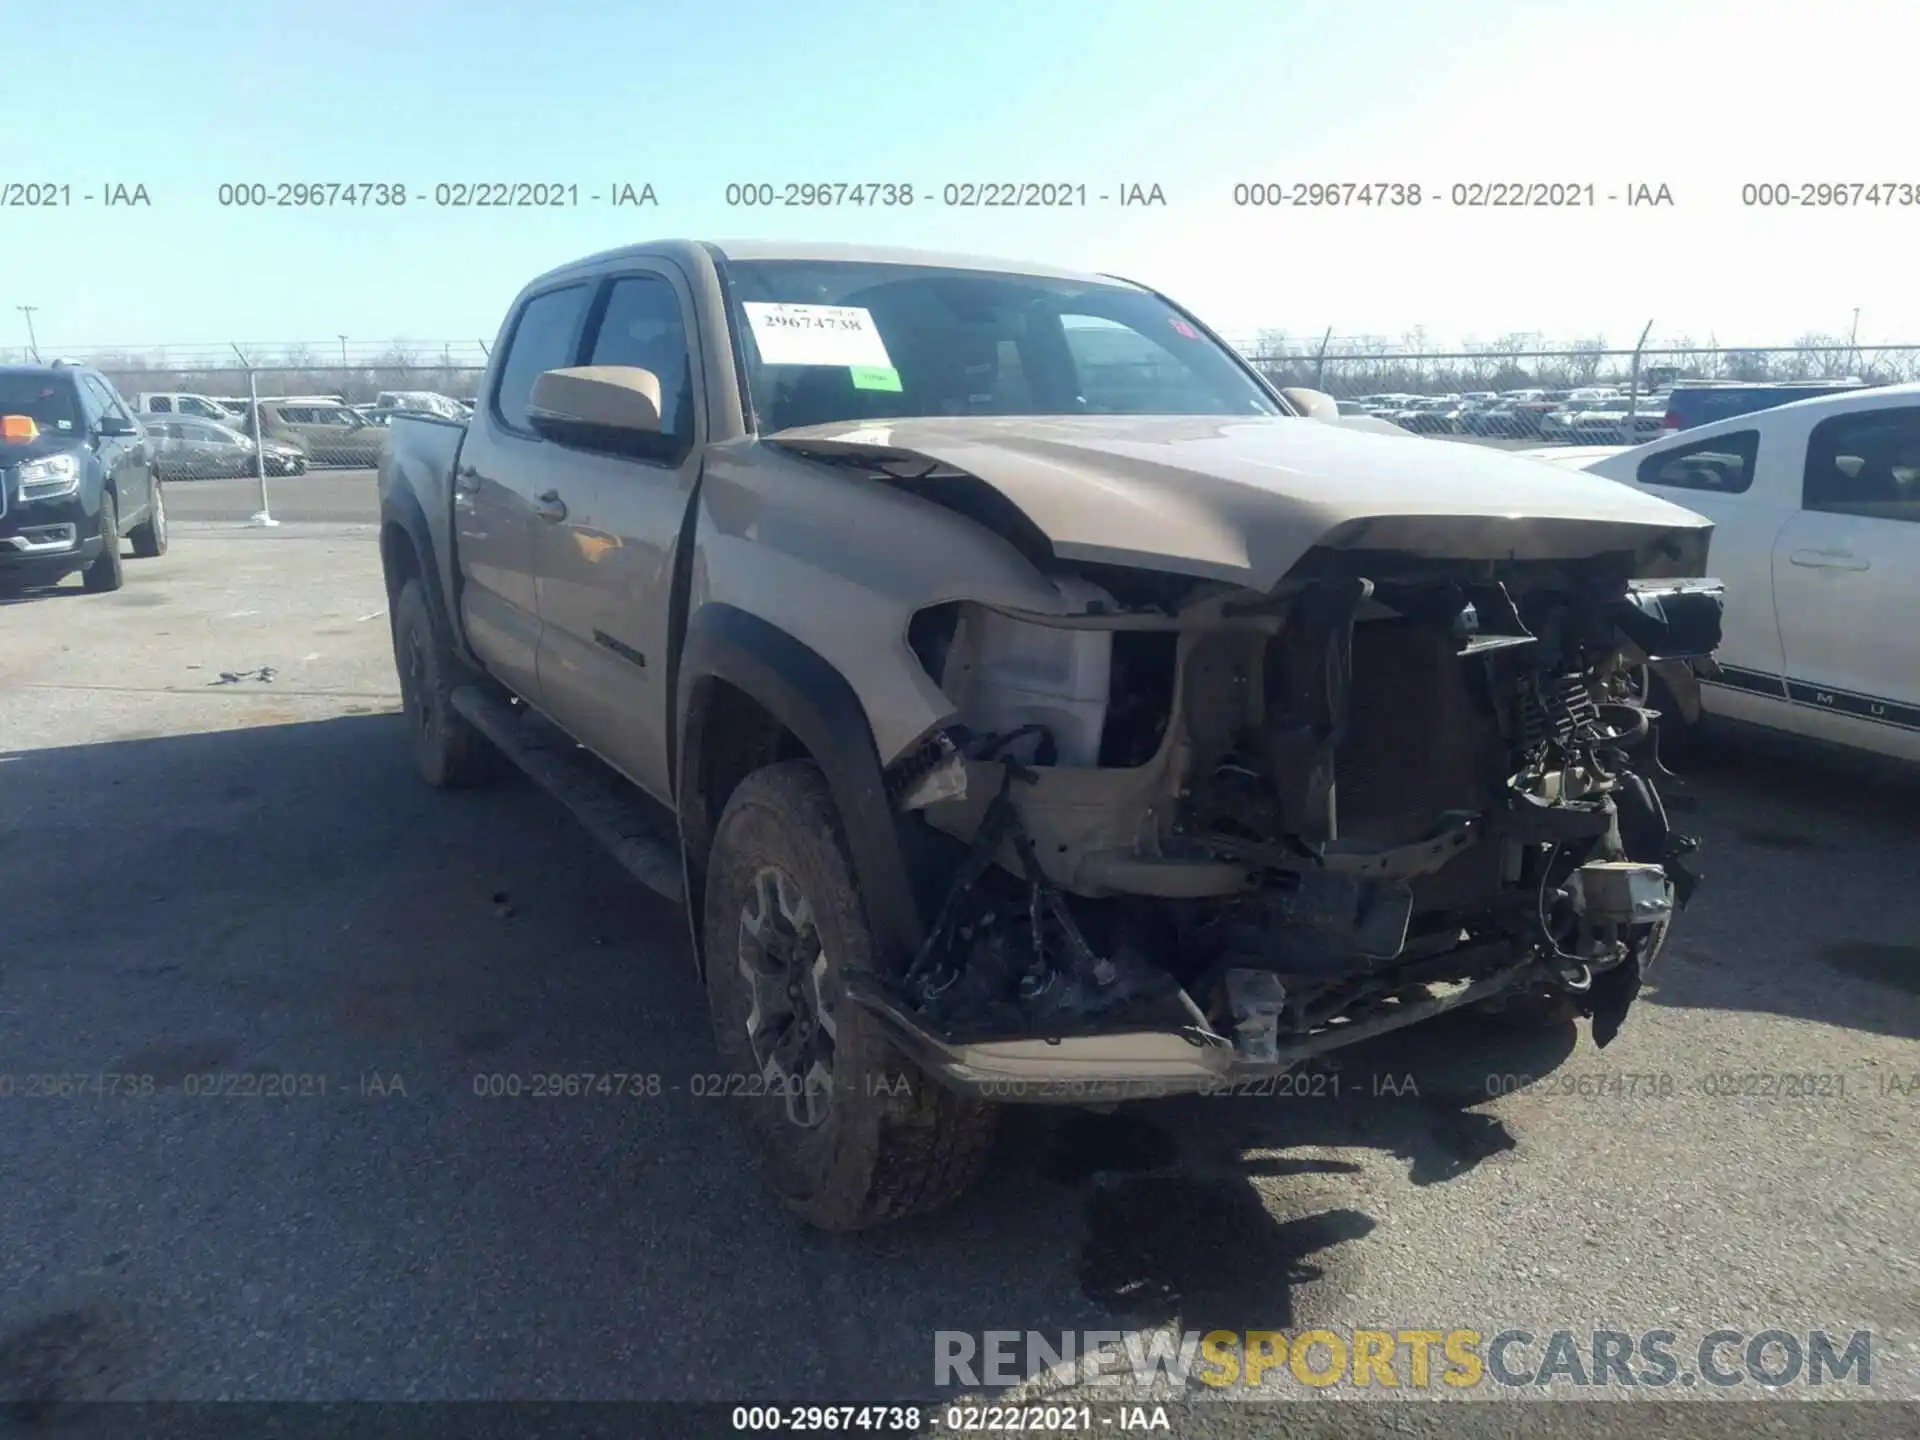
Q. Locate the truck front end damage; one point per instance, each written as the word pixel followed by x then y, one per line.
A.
pixel 1183 831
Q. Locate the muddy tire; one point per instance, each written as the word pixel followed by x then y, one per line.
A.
pixel 448 752
pixel 150 536
pixel 849 1133
pixel 107 572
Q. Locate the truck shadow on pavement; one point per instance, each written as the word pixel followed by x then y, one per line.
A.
pixel 1807 906
pixel 338 993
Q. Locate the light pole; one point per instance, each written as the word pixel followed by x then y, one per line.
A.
pixel 343 352
pixel 1853 349
pixel 33 343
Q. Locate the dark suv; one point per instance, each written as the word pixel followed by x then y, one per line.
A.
pixel 1695 402
pixel 77 474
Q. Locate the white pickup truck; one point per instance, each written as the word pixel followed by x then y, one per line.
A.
pixel 1816 512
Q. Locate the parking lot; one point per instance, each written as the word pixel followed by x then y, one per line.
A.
pixel 222 869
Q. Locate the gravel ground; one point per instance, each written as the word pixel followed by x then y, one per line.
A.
pixel 219 873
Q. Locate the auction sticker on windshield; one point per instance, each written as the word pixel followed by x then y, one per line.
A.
pixel 816 335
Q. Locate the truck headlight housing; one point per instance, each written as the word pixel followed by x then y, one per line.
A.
pixel 48 477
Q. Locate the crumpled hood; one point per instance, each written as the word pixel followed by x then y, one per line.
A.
pixel 1244 500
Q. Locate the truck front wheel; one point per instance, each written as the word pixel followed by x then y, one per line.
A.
pixel 447 750
pixel 850 1134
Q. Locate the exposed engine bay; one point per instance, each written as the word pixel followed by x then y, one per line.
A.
pixel 1285 821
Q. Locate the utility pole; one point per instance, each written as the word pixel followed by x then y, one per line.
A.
pixel 1853 349
pixel 343 352
pixel 33 343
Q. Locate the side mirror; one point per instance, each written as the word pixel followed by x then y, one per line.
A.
pixel 113 425
pixel 606 407
pixel 1316 404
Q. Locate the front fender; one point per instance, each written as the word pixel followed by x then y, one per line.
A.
pixel 801 690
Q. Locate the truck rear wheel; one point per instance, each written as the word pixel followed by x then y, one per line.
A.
pixel 447 750
pixel 850 1133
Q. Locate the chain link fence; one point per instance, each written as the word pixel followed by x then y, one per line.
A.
pixel 265 411
pixel 211 421
pixel 1582 394
pixel 250 410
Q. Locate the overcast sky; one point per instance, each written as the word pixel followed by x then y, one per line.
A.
pixel 1701 96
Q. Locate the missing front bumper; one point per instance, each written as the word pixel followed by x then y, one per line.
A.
pixel 1139 1064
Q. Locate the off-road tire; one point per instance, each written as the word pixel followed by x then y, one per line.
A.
pixel 150 536
pixel 893 1142
pixel 106 573
pixel 448 752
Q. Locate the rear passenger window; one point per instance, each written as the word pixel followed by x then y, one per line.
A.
pixel 1865 464
pixel 161 404
pixel 642 326
pixel 543 339
pixel 1723 465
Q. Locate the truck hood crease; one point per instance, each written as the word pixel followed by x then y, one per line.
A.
pixel 1243 500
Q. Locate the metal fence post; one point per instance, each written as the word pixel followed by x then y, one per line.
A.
pixel 1320 360
pixel 1633 383
pixel 264 515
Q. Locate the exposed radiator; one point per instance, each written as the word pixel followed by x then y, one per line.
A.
pixel 1418 742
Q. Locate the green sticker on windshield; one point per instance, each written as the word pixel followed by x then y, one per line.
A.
pixel 875 377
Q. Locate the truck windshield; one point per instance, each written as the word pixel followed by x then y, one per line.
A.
pixel 827 341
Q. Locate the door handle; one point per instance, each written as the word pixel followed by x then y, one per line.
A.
pixel 549 506
pixel 1830 560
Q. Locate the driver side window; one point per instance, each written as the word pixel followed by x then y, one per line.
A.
pixel 641 325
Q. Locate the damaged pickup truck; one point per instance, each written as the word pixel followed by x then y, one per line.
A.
pixel 1027 701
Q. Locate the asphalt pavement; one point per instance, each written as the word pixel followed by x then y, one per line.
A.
pixel 317 497
pixel 258 984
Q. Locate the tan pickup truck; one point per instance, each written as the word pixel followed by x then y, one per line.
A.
pixel 1026 700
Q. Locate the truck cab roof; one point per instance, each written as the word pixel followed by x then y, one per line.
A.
pixel 686 251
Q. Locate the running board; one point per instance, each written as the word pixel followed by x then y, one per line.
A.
pixel 634 830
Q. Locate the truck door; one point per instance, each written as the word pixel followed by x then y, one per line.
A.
pixel 1846 576
pixel 604 545
pixel 501 468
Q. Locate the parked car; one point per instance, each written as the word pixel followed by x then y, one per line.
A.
pixel 77 479
pixel 201 449
pixel 1557 422
pixel 1615 419
pixel 908 634
pixel 1816 509
pixel 1458 416
pixel 1691 403
pixel 429 402
pixel 177 402
pixel 1426 416
pixel 327 432
pixel 1516 415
